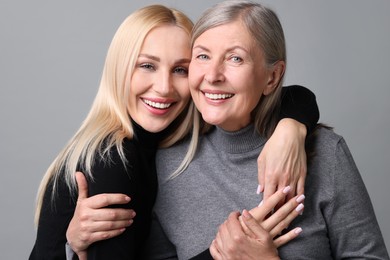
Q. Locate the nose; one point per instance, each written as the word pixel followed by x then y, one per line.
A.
pixel 163 85
pixel 214 73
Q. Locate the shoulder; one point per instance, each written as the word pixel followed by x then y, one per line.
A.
pixel 113 172
pixel 325 140
pixel 328 151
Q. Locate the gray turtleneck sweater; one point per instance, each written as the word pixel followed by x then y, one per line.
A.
pixel 338 221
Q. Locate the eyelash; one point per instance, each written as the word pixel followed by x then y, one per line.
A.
pixel 179 70
pixel 236 57
pixel 202 57
pixel 183 70
pixel 147 66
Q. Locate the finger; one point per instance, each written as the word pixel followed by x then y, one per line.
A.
pixel 232 225
pixel 259 213
pixel 103 235
pixel 301 185
pixel 106 199
pixel 284 182
pixel 283 224
pixel 104 226
pixel 287 237
pixel 282 213
pixel 292 192
pixel 253 225
pixel 214 251
pixel 82 255
pixel 109 214
pixel 260 174
pixel 82 186
pixel 269 189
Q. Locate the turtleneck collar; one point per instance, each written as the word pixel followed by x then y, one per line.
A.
pixel 241 141
pixel 146 138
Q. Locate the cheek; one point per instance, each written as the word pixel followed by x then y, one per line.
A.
pixel 195 76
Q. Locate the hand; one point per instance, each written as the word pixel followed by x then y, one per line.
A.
pixel 280 219
pixel 252 234
pixel 283 160
pixel 232 243
pixel 92 222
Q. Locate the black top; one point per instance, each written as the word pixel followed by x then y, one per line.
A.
pixel 138 180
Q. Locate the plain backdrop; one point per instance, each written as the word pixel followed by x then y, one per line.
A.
pixel 52 55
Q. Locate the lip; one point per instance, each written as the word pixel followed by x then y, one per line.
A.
pixel 158 106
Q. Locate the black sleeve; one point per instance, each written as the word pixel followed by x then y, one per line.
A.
pixel 300 103
pixel 205 255
pixel 53 223
pixel 114 177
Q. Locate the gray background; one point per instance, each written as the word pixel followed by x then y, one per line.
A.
pixel 52 54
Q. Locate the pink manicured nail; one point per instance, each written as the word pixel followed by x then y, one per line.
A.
pixel 258 189
pixel 298 230
pixel 300 198
pixel 261 203
pixel 286 190
pixel 299 207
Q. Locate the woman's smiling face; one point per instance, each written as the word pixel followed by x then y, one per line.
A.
pixel 228 75
pixel 159 85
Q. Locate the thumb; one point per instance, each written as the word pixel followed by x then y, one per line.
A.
pixel 82 185
pixel 253 225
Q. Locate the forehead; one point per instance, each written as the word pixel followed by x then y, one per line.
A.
pixel 229 34
pixel 167 34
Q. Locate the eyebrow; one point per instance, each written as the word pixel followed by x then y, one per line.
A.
pixel 150 57
pixel 155 58
pixel 229 49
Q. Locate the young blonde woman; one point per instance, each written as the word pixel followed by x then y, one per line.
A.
pixel 143 101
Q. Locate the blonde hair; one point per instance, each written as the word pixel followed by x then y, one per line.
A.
pixel 268 33
pixel 108 122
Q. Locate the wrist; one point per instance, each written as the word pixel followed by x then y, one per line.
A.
pixel 292 125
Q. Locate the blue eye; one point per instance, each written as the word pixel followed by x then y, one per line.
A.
pixel 236 59
pixel 202 57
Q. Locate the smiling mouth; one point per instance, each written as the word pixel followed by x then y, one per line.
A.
pixel 157 105
pixel 218 96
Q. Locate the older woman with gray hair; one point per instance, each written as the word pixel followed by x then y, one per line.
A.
pixel 237 67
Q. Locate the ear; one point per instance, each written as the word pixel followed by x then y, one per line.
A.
pixel 274 77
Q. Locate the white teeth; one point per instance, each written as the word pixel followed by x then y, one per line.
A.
pixel 218 96
pixel 157 104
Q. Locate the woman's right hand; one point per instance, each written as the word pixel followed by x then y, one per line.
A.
pixel 92 221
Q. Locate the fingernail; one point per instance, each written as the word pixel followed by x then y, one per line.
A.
pixel 286 190
pixel 300 198
pixel 299 207
pixel 258 189
pixel 298 230
pixel 127 198
pixel 261 203
pixel 245 214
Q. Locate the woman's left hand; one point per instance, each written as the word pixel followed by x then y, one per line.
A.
pixel 283 160
pixel 254 236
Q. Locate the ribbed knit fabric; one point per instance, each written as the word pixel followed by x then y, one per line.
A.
pixel 338 221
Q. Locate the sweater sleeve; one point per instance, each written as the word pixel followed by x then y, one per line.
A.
pixel 299 103
pixel 353 228
pixel 113 176
pixel 53 223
